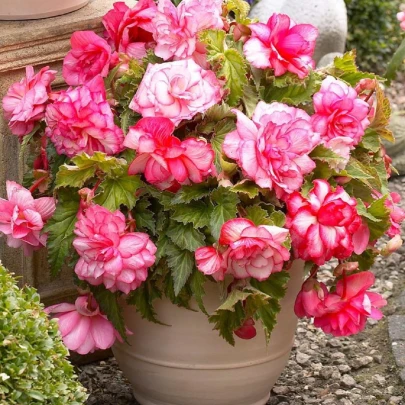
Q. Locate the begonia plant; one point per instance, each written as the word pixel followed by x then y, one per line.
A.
pixel 197 146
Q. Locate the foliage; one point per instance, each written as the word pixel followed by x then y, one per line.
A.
pixel 373 31
pixel 33 367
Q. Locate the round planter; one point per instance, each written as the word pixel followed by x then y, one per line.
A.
pixel 188 363
pixel 33 9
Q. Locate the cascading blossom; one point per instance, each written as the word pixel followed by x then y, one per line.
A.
pixel 176 90
pixel 325 224
pixel 251 251
pixel 341 117
pixel 176 28
pixel 24 104
pixel 401 18
pixel 397 214
pixel 130 30
pixel 84 328
pixel 80 120
pixel 272 148
pixel 89 57
pixel 109 254
pixel 22 218
pixel 282 45
pixel 166 161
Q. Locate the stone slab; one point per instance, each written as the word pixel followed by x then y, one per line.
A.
pixel 396 327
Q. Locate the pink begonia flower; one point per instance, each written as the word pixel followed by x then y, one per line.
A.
pixel 25 101
pixel 397 214
pixel 272 148
pixel 210 262
pixel 401 18
pixel 90 56
pixel 251 251
pixel 84 328
pixel 346 310
pixel 247 330
pixel 81 120
pixel 282 45
pixel 22 217
pixel 325 224
pixel 166 161
pixel 176 90
pixel 109 254
pixel 341 117
pixel 177 28
pixel 310 300
pixel 392 245
pixel 130 30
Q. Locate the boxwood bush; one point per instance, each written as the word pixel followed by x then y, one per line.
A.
pixel 374 32
pixel 33 365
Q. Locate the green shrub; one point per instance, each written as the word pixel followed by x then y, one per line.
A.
pixel 33 365
pixel 374 32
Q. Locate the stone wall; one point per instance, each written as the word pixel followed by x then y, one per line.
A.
pixel 39 43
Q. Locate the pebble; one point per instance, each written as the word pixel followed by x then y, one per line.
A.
pixel 348 381
pixel 302 358
pixel 363 361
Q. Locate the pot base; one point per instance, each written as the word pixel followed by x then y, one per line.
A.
pixel 144 401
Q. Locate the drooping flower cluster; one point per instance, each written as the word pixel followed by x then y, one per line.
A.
pixel 246 251
pixel 325 224
pixel 24 103
pixel 166 161
pixel 194 130
pixel 22 218
pixel 80 120
pixel 272 148
pixel 109 254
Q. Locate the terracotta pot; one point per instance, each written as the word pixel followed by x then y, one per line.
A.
pixel 189 364
pixel 33 9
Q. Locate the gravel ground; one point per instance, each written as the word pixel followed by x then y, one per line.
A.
pixel 321 370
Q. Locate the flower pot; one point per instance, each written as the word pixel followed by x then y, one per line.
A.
pixel 33 9
pixel 188 363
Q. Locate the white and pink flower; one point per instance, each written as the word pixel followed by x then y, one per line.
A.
pixel 109 254
pixel 25 102
pixel 90 56
pixel 397 214
pixel 166 161
pixel 247 251
pixel 177 28
pixel 282 45
pixel 325 224
pixel 272 149
pixel 22 217
pixel 341 117
pixel 176 90
pixel 84 328
pixel 80 120
pixel 130 30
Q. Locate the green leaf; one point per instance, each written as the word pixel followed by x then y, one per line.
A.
pixel 182 299
pixel 246 187
pixel 371 141
pixel 293 91
pixel 365 260
pixel 274 286
pixel 396 62
pixel 278 218
pixel 344 67
pixel 382 116
pixel 181 264
pixel 162 244
pixel 378 210
pixel 118 190
pixel 60 229
pixel 241 9
pixel 250 99
pixel 142 298
pixel 258 215
pixel 109 304
pixel 190 193
pixel 185 236
pixel 144 218
pixel 326 155
pixel 362 211
pixel 128 118
pixel 85 167
pixel 198 213
pixel 364 173
pixel 197 282
pixel 27 139
pixel 221 129
pixel 225 209
pixel 215 42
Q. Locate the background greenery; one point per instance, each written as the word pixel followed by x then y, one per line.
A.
pixel 374 32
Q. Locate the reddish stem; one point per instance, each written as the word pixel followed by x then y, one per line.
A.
pixel 344 284
pixel 369 96
pixel 36 184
